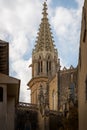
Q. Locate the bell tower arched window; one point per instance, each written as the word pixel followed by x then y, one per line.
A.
pixel 48 64
pixel 40 65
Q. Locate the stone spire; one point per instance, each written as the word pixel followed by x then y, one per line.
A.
pixel 44 40
pixel 44 54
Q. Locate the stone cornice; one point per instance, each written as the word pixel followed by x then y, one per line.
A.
pixel 37 79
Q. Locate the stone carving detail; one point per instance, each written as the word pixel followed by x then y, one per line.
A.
pixel 43 100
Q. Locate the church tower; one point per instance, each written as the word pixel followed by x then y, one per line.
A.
pixel 44 58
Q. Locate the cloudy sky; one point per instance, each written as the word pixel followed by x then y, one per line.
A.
pixel 19 23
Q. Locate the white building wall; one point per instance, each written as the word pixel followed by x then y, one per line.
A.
pixel 10 113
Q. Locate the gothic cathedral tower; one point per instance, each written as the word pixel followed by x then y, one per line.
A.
pixel 44 58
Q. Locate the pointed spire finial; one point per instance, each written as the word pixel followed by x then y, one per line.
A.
pixel 44 39
pixel 45 9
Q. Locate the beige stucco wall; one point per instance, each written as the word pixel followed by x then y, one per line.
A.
pixel 10 113
pixel 7 111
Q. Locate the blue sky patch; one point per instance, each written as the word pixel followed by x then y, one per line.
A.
pixel 64 3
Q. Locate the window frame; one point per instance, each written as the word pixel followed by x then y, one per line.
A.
pixel 1 94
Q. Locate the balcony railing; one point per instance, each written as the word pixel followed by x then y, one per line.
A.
pixel 27 105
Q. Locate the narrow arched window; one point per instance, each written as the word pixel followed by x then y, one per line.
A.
pixel 1 94
pixel 48 64
pixel 40 65
pixel 72 92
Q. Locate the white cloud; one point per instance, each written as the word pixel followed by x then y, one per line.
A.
pixel 67 23
pixel 18 24
pixel 24 73
pixel 80 3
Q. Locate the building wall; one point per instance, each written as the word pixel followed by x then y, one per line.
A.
pixel 7 111
pixel 41 121
pixel 9 90
pixel 34 92
pixel 68 86
pixel 65 79
pixel 53 94
pixel 82 73
pixel 10 113
pixel 3 109
pixel 4 57
pixel 35 88
pixel 82 90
